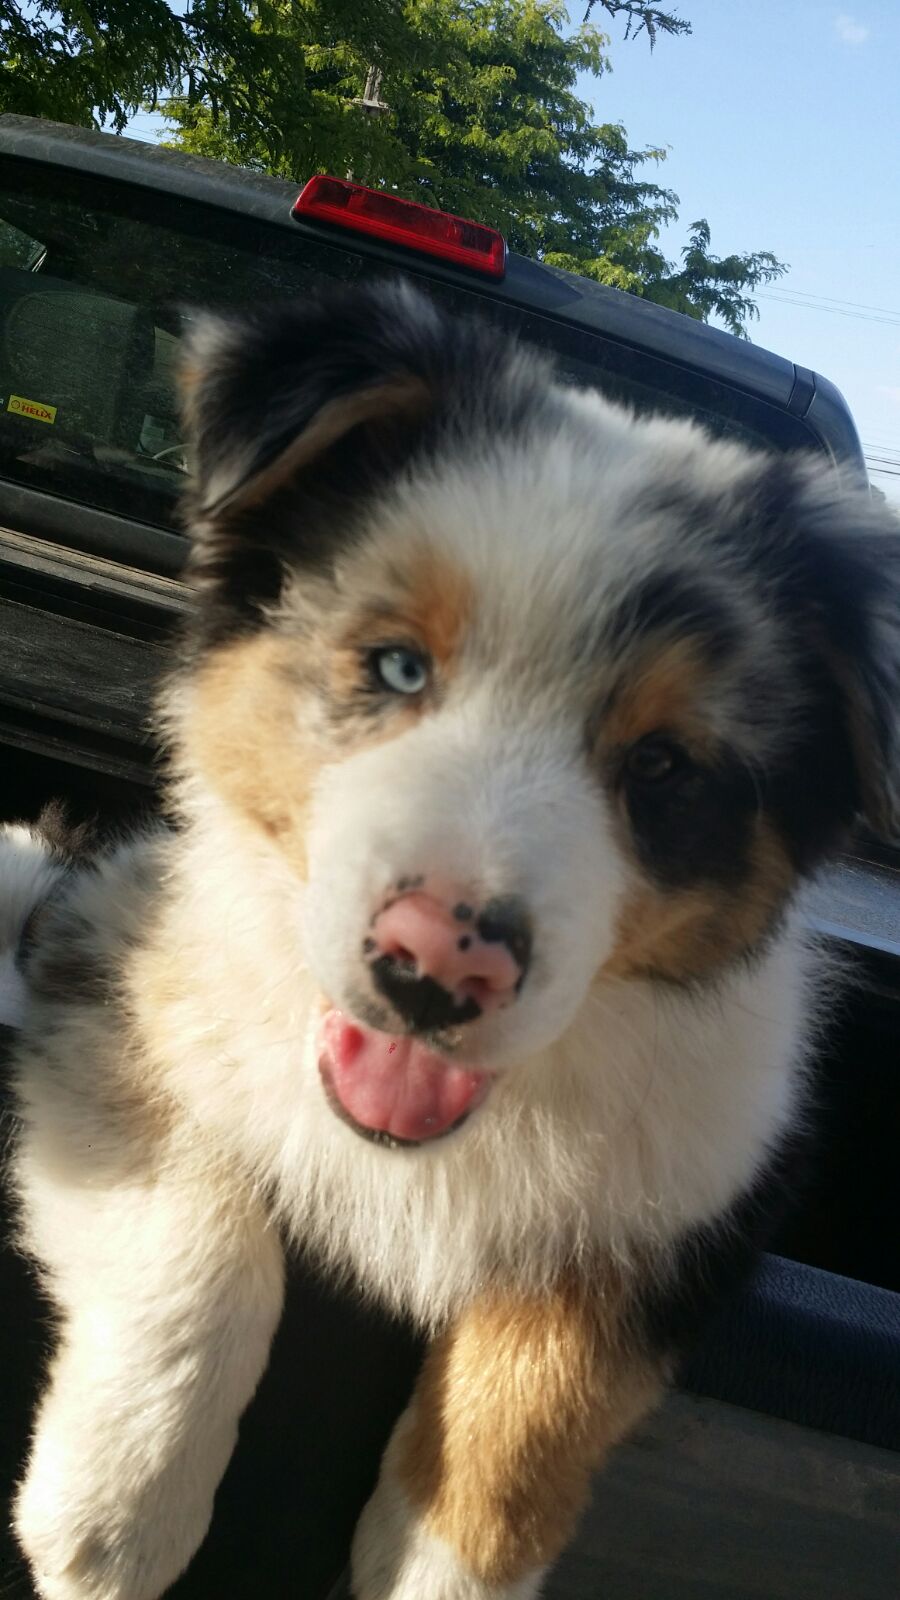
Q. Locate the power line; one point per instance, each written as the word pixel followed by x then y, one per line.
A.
pixel 880 450
pixel 890 321
pixel 858 305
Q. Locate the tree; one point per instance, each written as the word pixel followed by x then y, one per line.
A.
pixel 468 105
pixel 640 17
pixel 98 61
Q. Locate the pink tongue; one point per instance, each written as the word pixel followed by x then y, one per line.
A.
pixel 394 1086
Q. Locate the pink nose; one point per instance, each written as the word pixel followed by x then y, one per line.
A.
pixel 467 955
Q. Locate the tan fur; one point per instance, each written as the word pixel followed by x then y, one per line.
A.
pixel 660 694
pixel 249 737
pixel 253 714
pixel 440 603
pixel 427 607
pixel 428 604
pixel 517 1405
pixel 687 933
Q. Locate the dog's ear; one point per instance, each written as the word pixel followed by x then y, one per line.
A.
pixel 266 393
pixel 837 549
pixel 294 414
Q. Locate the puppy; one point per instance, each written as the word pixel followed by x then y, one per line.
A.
pixel 506 729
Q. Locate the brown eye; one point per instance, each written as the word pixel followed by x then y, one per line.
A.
pixel 654 760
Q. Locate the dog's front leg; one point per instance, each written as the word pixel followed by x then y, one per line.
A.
pixel 169 1292
pixel 489 1468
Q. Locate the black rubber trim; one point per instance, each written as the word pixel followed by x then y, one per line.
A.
pixel 810 1347
pixel 803 392
pixel 77 526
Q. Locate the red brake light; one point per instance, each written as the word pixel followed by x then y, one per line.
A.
pixel 418 227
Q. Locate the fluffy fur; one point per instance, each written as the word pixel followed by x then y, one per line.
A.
pixel 660 681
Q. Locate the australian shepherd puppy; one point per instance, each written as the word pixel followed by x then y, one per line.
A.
pixel 507 727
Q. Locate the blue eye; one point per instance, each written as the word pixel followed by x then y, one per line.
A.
pixel 400 670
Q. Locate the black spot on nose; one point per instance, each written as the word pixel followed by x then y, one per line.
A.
pixel 505 921
pixel 424 1005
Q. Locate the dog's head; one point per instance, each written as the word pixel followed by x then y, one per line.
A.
pixel 528 694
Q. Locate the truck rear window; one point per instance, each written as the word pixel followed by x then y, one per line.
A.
pixel 96 280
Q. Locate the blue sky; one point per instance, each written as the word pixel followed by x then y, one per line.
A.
pixel 783 124
pixel 782 118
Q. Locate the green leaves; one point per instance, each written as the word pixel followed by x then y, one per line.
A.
pixel 88 57
pixel 474 110
pixel 98 61
pixel 708 284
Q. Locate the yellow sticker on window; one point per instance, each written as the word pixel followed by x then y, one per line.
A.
pixel 30 408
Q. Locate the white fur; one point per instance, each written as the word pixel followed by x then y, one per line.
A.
pixel 650 1113
pixel 395 1557
pixel 174 1293
pixel 500 804
pixel 160 1110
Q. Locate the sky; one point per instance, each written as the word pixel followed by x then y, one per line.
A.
pixel 782 121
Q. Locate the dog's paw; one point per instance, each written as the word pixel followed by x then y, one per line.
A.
pixel 86 1544
pixel 395 1557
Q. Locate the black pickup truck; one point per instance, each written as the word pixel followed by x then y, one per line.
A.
pixel 773 1470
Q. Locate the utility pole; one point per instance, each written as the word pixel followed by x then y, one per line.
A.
pixel 370 101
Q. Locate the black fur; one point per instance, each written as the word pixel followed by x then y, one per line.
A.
pixel 64 966
pixel 273 372
pixel 70 844
pixel 696 828
pixel 670 603
pixel 824 560
pixel 828 561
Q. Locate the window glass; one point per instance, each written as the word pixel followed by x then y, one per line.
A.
pixel 18 249
pixel 89 330
pixel 94 282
